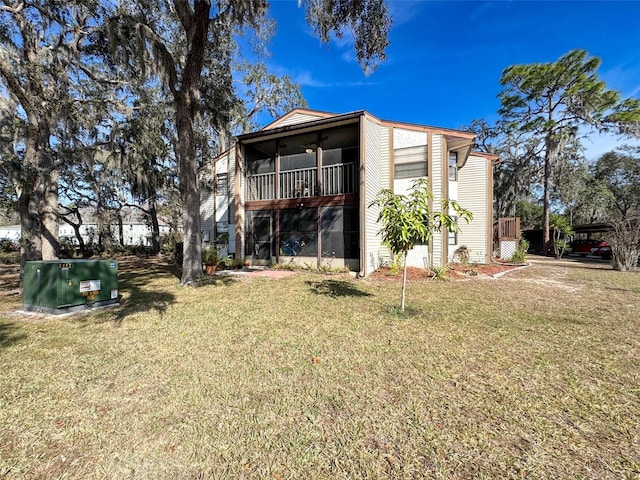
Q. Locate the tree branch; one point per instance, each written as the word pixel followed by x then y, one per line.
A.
pixel 14 84
pixel 185 14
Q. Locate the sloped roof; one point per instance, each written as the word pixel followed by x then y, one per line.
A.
pixel 299 118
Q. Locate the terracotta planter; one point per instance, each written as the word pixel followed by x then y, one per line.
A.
pixel 210 269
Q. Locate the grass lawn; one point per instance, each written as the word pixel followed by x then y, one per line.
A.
pixel 535 374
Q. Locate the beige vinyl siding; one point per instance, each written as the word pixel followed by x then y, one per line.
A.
pixel 472 195
pixel 232 201
pixel 385 158
pixel 436 189
pixel 295 119
pixel 373 248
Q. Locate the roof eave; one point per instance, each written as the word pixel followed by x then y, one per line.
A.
pixel 299 127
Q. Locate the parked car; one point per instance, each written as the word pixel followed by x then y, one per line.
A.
pixel 603 251
pixel 587 246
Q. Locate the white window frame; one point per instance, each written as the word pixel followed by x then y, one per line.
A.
pixel 453 166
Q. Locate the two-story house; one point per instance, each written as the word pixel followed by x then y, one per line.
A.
pixel 299 190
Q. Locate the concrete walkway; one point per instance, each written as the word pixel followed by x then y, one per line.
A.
pixel 254 272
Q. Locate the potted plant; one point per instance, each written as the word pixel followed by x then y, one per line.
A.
pixel 210 259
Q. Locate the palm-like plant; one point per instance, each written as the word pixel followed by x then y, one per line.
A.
pixel 561 233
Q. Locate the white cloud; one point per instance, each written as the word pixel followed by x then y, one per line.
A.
pixel 403 11
pixel 349 56
pixel 306 79
pixel 597 144
pixel 623 78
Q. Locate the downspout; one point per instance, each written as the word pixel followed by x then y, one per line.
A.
pixel 363 201
pixel 444 195
pixel 430 184
pixel 489 252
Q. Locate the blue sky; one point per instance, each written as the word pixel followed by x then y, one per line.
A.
pixel 445 58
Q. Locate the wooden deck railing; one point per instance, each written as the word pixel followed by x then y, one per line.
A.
pixel 509 228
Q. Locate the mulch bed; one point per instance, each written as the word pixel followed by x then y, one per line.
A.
pixel 456 272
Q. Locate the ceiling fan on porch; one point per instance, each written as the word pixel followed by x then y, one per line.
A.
pixel 309 148
pixel 312 147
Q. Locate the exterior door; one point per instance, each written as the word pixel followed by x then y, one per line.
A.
pixel 262 234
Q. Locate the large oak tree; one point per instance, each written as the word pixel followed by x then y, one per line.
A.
pixel 40 47
pixel 185 43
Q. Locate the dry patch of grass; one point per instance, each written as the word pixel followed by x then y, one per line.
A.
pixel 312 377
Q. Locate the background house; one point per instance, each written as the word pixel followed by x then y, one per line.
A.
pixel 299 189
pixel 135 231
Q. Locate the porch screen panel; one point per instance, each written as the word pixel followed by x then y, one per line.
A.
pixel 340 158
pixel 298 172
pixel 340 232
pixel 261 169
pixel 259 233
pixel 299 232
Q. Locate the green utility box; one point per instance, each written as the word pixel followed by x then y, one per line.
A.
pixel 61 286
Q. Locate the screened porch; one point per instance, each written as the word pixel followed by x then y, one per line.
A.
pixel 315 164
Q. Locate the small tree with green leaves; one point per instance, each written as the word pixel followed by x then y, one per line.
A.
pixel 561 233
pixel 407 220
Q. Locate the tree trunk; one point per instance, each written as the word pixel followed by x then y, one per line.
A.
pixel 50 225
pixel 155 227
pixel 30 243
pixel 30 186
pixel 404 281
pixel 105 239
pixel 78 234
pixel 550 155
pixel 48 175
pixel 192 249
pixel 120 229
pixel 186 102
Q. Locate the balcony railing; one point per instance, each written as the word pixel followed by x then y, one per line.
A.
pixel 337 179
pixel 298 183
pixel 261 187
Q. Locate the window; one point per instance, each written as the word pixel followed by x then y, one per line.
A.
pixel 453 236
pixel 410 162
pixel 410 170
pixel 206 236
pixel 222 184
pixel 453 166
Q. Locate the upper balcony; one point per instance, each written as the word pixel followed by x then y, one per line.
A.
pixel 318 163
pixel 336 179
